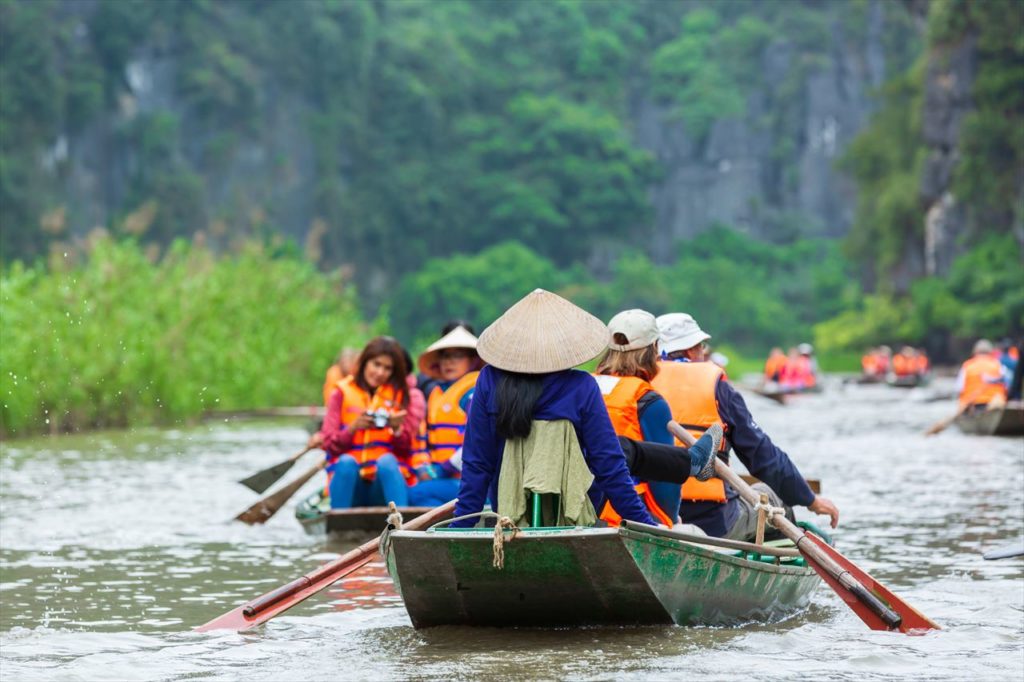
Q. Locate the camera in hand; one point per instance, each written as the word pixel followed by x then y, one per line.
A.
pixel 380 417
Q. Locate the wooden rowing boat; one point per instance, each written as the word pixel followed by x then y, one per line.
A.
pixel 907 380
pixel 317 518
pixel 1004 421
pixel 776 395
pixel 633 575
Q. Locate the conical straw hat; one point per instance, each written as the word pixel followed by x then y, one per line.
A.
pixel 541 333
pixel 456 338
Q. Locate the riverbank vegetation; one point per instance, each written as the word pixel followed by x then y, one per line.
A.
pixel 110 335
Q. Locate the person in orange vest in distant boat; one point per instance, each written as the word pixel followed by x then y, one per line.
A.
pixel 800 371
pixel 700 396
pixel 773 365
pixel 341 368
pixel 637 411
pixel 453 366
pixel 981 381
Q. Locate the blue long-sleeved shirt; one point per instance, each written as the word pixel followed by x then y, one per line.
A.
pixel 759 454
pixel 571 395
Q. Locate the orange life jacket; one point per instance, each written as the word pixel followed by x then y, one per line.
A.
pixel 331 382
pixel 442 432
pixel 903 365
pixel 368 445
pixel 869 363
pixel 921 364
pixel 621 397
pixel 689 389
pixel 983 380
pixel 773 367
pixel 798 373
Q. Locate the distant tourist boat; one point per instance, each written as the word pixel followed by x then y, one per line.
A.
pixel 907 380
pixel 317 518
pixel 1004 421
pixel 558 577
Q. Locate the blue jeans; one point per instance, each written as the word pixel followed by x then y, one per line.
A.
pixel 349 490
pixel 434 492
pixel 667 497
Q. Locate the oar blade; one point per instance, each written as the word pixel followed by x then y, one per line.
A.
pixel 913 621
pixel 261 480
pixel 1004 553
pixel 260 610
pixel 263 509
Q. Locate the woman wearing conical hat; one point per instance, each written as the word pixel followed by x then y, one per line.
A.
pixel 453 366
pixel 529 384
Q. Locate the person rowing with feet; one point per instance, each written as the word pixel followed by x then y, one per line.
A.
pixel 700 397
pixel 538 426
pixel 624 376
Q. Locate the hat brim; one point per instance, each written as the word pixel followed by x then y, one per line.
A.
pixel 542 333
pixel 684 343
pixel 430 360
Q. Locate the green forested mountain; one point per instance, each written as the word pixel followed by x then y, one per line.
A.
pixel 443 126
pixel 752 162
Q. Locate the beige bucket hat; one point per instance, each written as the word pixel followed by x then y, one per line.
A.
pixel 542 333
pixel 679 331
pixel 430 359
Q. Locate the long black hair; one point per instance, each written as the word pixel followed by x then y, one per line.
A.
pixel 516 397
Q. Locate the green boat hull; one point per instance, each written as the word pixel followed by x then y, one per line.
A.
pixel 587 576
pixel 698 585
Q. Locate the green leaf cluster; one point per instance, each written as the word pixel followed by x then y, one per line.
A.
pixel 113 336
pixel 742 291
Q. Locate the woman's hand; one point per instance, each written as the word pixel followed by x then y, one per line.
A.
pixel 396 420
pixel 315 441
pixel 363 421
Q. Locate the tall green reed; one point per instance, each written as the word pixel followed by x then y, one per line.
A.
pixel 121 339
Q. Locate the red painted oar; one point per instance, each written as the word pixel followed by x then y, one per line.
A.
pixel 912 621
pixel 879 608
pixel 262 609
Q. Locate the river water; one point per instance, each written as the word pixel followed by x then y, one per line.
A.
pixel 114 545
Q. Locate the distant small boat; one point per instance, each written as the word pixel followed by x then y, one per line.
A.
pixel 907 380
pixel 1004 421
pixel 776 395
pixel 774 391
pixel 560 577
pixel 869 379
pixel 317 518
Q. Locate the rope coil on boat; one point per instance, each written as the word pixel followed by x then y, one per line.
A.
pixel 499 540
pixel 394 523
pixel 770 512
pixel 394 517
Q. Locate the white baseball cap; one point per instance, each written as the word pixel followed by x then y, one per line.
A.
pixel 679 331
pixel 638 326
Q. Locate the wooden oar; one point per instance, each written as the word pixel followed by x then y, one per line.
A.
pixel 268 506
pixel 262 609
pixel 1004 553
pixel 941 425
pixel 869 599
pixel 262 480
